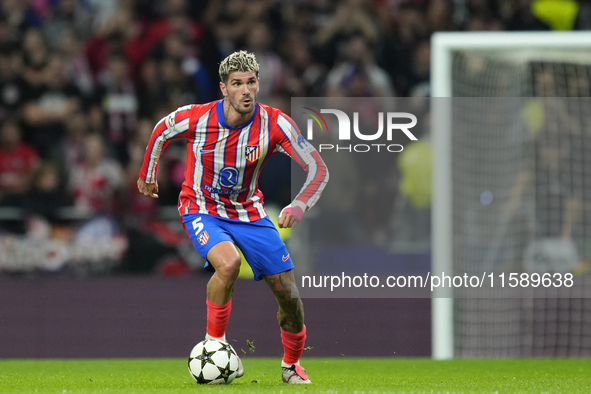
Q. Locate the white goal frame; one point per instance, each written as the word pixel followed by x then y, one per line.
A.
pixel 442 45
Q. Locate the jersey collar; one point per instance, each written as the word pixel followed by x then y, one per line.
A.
pixel 219 107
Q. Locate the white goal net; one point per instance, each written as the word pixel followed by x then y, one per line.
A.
pixel 513 188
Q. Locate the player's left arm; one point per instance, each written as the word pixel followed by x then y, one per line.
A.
pixel 292 143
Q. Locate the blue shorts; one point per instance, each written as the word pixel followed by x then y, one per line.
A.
pixel 259 241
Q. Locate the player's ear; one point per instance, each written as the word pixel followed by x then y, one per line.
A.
pixel 223 89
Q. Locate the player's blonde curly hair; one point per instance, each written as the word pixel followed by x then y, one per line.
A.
pixel 238 61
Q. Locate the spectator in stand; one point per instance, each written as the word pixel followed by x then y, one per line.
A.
pixel 523 18
pixel 583 18
pixel 260 42
pixel 231 20
pixel 17 162
pixel 421 70
pixel 305 18
pixel 72 145
pixel 438 15
pixel 113 38
pixel 67 15
pixel 35 50
pixel 358 66
pixel 178 87
pixel 12 84
pixel 177 20
pixel 482 15
pixel 179 37
pixel 137 37
pixel 116 99
pixel 139 207
pixel 97 181
pixel 179 47
pixel 351 18
pixel 305 75
pixel 77 69
pixel 46 196
pixel 7 36
pixel 102 11
pixel 483 22
pixel 149 88
pixel 395 46
pixel 49 107
pixel 20 16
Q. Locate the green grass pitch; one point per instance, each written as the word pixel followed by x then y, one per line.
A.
pixel 329 375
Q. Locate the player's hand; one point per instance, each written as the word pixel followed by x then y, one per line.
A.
pixel 290 217
pixel 148 189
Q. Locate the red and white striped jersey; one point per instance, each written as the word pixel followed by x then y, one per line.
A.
pixel 224 162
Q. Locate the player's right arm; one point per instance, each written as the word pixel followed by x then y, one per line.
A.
pixel 174 125
pixel 292 143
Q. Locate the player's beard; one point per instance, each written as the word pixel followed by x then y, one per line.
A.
pixel 239 106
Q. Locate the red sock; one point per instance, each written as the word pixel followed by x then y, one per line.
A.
pixel 217 318
pixel 293 345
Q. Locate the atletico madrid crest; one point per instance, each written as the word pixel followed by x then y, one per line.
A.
pixel 252 153
pixel 203 238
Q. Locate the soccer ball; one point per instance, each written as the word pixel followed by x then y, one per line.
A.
pixel 213 362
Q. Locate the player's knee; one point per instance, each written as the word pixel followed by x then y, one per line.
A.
pixel 229 267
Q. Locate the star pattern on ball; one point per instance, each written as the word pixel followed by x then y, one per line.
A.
pixel 227 348
pixel 205 357
pixel 225 372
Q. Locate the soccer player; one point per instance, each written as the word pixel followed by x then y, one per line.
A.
pixel 221 206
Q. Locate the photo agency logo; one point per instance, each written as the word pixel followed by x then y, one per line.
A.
pixel 395 123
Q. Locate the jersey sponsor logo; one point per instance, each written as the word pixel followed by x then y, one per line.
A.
pixel 215 190
pixel 228 176
pixel 252 153
pixel 284 258
pixel 203 238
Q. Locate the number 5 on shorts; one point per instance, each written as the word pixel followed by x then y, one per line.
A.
pixel 197 226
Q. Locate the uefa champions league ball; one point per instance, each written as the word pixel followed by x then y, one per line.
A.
pixel 213 362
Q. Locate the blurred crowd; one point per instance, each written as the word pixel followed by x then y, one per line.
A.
pixel 82 82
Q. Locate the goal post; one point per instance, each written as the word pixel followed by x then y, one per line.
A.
pixel 516 49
